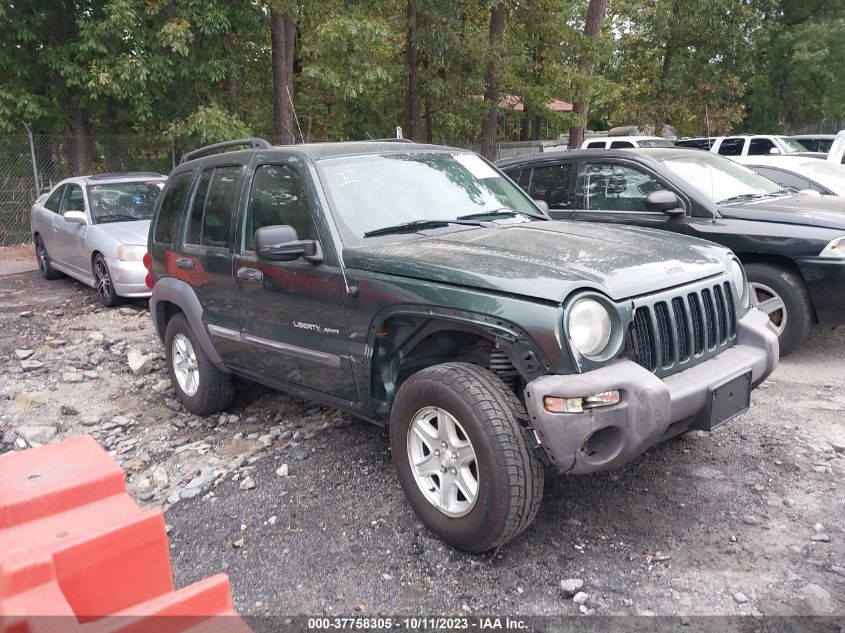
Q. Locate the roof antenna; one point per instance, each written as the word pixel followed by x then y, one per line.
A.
pixel 295 118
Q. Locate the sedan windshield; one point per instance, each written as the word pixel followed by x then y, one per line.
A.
pixel 123 201
pixel 400 193
pixel 720 179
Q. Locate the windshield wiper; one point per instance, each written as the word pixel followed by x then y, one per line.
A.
pixel 115 218
pixel 743 197
pixel 500 211
pixel 418 225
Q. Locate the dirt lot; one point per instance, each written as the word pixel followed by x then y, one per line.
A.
pixel 748 519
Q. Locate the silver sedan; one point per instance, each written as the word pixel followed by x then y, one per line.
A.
pixel 94 229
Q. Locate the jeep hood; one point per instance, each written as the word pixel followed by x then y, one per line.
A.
pixel 801 208
pixel 548 260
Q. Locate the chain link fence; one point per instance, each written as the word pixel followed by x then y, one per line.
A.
pixel 31 165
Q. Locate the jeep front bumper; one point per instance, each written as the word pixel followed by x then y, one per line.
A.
pixel 650 409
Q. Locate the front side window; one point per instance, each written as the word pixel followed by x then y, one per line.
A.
pixel 213 207
pixel 73 200
pixel 621 144
pixel 55 200
pixel 172 206
pixel 552 183
pixel 732 147
pixel 123 202
pixel 617 187
pixel 760 147
pixel 277 198
pixel 595 145
pixel 373 192
pixel 784 178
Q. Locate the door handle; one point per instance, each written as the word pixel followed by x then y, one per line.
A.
pixel 250 274
pixel 184 262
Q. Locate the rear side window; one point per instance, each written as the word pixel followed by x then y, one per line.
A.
pixel 595 144
pixel 213 207
pixel 731 147
pixel 277 198
pixel 621 144
pixel 55 200
pixel 172 206
pixel 552 184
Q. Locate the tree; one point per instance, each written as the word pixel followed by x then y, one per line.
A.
pixel 586 64
pixel 283 36
pixel 490 122
pixel 412 104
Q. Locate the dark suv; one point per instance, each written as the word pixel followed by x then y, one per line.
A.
pixel 415 286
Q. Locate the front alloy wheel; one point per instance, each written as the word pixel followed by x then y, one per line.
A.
pixel 443 461
pixel 103 282
pixel 770 302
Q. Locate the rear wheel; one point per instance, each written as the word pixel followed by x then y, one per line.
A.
pixel 44 266
pixel 456 439
pixel 103 282
pixel 199 385
pixel 782 295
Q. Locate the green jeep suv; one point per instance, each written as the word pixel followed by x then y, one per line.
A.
pixel 416 286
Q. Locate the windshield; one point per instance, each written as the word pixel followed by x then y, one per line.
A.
pixel 655 142
pixel 721 179
pixel 417 189
pixel 123 201
pixel 790 145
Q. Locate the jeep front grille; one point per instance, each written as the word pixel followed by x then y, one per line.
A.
pixel 672 331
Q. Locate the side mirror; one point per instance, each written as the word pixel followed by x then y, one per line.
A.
pixel 774 150
pixel 77 217
pixel 542 205
pixel 665 202
pixel 280 243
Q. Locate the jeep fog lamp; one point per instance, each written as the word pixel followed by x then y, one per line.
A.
pixel 131 252
pixel 834 250
pixel 589 327
pixel 556 404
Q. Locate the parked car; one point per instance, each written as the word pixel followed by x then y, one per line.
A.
pixel 837 149
pixel 799 173
pixel 415 286
pixel 744 144
pixel 792 245
pixel 94 228
pixel 624 142
pixel 815 142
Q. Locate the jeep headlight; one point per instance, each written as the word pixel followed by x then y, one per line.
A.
pixel 589 326
pixel 834 250
pixel 739 281
pixel 131 252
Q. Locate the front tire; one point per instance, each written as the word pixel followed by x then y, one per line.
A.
pixel 199 385
pixel 782 295
pixel 45 267
pixel 103 282
pixel 456 439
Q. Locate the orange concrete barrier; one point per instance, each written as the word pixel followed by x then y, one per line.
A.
pixel 78 555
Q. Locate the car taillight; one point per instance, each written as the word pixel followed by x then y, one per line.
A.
pixel 149 266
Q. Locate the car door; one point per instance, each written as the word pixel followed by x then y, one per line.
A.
pixel 204 260
pixel 554 184
pixel 615 191
pixel 293 322
pixel 42 219
pixel 70 236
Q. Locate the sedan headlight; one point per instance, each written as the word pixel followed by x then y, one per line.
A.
pixel 739 281
pixel 589 327
pixel 131 252
pixel 835 250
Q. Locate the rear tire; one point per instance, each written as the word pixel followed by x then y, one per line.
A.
pixel 200 386
pixel 458 410
pixel 44 266
pixel 782 295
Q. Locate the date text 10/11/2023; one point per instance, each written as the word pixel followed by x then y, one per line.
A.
pixel 418 623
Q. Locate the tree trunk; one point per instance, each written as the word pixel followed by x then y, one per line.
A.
pixel 663 85
pixel 412 104
pixel 491 83
pixel 586 64
pixel 283 41
pixel 81 147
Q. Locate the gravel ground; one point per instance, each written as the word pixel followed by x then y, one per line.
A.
pixel 747 519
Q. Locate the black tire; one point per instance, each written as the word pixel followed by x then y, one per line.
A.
pixel 44 266
pixel 215 389
pixel 103 283
pixel 797 311
pixel 510 477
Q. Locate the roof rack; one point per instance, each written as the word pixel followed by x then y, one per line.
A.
pixel 254 143
pixel 126 174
